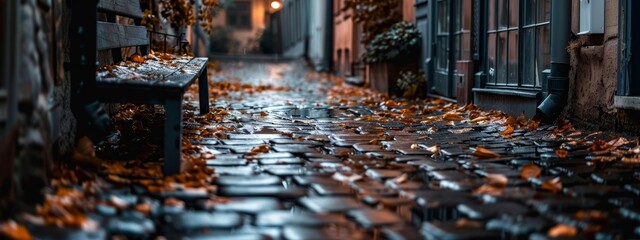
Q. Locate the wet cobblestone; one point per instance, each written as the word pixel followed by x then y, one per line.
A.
pixel 328 174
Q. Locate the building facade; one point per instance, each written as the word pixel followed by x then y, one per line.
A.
pixel 568 58
pixel 347 47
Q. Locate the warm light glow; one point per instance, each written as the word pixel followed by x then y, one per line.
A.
pixel 275 5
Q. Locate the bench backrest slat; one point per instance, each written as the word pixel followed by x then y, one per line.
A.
pixel 114 35
pixel 126 8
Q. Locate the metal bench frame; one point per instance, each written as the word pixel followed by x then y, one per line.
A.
pixel 88 36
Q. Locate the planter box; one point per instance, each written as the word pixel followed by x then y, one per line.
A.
pixel 383 76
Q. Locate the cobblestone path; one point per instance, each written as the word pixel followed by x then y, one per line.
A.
pixel 316 162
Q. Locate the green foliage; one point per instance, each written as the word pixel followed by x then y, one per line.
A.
pixel 401 38
pixel 409 82
pixel 376 16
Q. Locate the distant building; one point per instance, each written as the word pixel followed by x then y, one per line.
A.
pixel 246 20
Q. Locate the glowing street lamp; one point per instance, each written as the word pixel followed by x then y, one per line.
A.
pixel 276 5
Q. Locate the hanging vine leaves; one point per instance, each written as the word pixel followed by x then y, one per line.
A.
pixel 180 13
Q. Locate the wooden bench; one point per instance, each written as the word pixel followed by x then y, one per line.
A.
pixel 163 84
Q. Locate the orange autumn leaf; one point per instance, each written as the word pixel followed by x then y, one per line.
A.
pixel 136 58
pixel 552 185
pixel 497 180
pixel 144 208
pixel 561 153
pixel 530 171
pixel 481 152
pixel 13 230
pixel 415 146
pixel 452 116
pixel 466 223
pixel 507 132
pixel 487 189
pixel 562 230
pixel 591 215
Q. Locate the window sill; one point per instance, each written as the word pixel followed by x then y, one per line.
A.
pixel 627 102
pixel 508 92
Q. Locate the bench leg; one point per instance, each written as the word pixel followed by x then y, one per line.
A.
pixel 203 82
pixel 172 137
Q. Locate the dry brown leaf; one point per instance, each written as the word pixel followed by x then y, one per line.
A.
pixel 415 146
pixel 452 116
pixel 631 159
pixel 562 230
pixel 507 132
pixel 13 230
pixel 561 153
pixel 553 185
pixel 497 180
pixel 137 58
pixel 487 189
pixel 461 130
pixel 466 223
pixel 435 149
pixel 591 215
pixel 618 142
pixel 144 208
pixel 401 179
pixel 479 119
pixel 482 152
pixel 264 114
pixel 530 171
pixel 174 202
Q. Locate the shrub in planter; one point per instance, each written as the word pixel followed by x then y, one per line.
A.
pixel 390 53
pixel 410 82
pixel 401 39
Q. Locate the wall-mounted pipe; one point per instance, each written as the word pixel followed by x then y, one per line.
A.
pixel 558 81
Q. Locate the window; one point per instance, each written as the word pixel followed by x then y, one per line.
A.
pixel 628 79
pixel 507 63
pixel 239 15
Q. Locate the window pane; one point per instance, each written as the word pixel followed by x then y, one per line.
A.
pixel 513 57
pixel 528 56
pixel 503 14
pixel 513 16
pixel 491 58
pixel 442 53
pixel 492 14
pixel 544 11
pixel 502 58
pixel 544 51
pixel 443 17
pixel 529 11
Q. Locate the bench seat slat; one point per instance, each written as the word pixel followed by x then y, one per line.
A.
pixel 127 8
pixel 114 35
pixel 174 79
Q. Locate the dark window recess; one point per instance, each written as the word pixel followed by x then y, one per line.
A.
pixel 517 42
pixel 629 77
pixel 239 15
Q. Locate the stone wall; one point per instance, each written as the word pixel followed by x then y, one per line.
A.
pixel 594 69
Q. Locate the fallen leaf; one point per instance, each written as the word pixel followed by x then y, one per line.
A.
pixel 466 223
pixel 452 116
pixel 401 179
pixel 553 185
pixel 137 58
pixel 487 189
pixel 507 132
pixel 13 230
pixel 561 153
pixel 479 119
pixel 144 208
pixel 591 215
pixel 562 231
pixel 346 179
pixel 481 152
pixel 415 146
pixel 618 142
pixel 631 160
pixel 264 114
pixel 497 180
pixel 435 149
pixel 174 202
pixel 530 171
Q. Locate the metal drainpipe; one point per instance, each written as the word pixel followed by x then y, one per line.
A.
pixel 558 81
